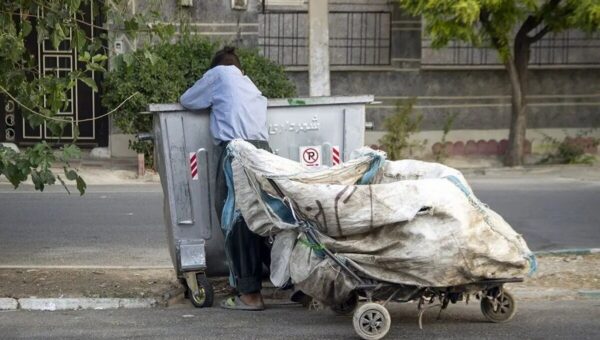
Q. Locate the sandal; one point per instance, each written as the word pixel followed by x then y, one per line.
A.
pixel 235 302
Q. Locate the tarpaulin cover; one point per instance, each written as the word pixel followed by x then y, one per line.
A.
pixel 407 222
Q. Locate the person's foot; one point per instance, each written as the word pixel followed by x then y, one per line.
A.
pixel 254 299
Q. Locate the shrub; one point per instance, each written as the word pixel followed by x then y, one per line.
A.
pixel 399 127
pixel 569 151
pixel 441 154
pixel 163 72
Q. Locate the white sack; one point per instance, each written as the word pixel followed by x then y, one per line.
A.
pixel 418 223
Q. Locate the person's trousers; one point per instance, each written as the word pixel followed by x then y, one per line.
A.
pixel 246 251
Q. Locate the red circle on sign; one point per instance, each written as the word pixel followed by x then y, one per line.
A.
pixel 310 155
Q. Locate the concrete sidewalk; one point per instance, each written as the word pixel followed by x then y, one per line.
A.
pixel 114 171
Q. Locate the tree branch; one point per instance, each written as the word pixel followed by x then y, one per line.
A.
pixel 539 35
pixel 529 24
pixel 550 6
pixel 484 17
pixel 534 21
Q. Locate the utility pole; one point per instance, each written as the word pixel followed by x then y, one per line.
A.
pixel 318 48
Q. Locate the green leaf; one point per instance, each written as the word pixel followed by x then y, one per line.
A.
pixel 42 33
pixel 90 82
pixel 37 180
pixel 131 25
pixel 55 39
pixel 26 27
pixel 81 186
pixel 128 59
pixel 71 152
pixel 57 36
pixel 95 67
pixel 79 39
pixel 98 58
pixel 150 56
pixel 71 174
pixel 85 57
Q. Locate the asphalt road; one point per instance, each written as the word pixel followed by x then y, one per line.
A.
pixel 534 320
pixel 551 213
pixel 109 225
pixel 123 225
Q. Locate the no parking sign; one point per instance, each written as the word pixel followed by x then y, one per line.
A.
pixel 310 156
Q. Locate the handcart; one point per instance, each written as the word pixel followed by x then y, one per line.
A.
pixel 371 320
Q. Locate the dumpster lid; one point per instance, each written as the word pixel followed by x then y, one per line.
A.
pixel 282 102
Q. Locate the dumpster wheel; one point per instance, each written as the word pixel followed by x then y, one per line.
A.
pixel 200 290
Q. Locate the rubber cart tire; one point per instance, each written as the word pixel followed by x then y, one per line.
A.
pixel 205 296
pixel 502 309
pixel 371 321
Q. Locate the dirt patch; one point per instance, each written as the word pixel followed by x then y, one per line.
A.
pixel 55 283
pixel 571 273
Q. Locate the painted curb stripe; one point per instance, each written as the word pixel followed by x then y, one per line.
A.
pixel 17 266
pixel 54 304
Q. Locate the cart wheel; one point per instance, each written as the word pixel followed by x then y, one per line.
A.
pixel 347 306
pixel 499 309
pixel 371 321
pixel 205 295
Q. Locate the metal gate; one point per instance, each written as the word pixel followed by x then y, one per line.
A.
pixel 83 103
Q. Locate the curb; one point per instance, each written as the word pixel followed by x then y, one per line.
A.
pixel 55 304
pixel 590 294
pixel 550 293
pixel 545 294
pixel 575 251
pixel 8 304
pixel 176 296
pixel 173 297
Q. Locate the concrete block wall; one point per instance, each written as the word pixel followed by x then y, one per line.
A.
pixel 561 98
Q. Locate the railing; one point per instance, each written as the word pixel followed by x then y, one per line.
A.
pixel 355 38
pixel 565 48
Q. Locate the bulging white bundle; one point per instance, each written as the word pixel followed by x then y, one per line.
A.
pixel 415 223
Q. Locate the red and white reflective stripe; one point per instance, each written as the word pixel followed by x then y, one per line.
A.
pixel 194 165
pixel 335 155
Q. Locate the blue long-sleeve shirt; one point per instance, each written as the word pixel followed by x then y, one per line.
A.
pixel 238 108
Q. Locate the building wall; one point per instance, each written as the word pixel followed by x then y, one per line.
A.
pixel 382 51
pixel 564 93
pixel 557 98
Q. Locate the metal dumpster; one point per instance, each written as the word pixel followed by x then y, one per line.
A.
pixel 319 131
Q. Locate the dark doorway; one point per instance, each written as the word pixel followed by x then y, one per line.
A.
pixel 84 105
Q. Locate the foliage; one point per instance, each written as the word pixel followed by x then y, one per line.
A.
pixel 163 79
pixel 511 27
pixel 494 21
pixel 442 153
pixel 42 96
pixel 36 162
pixel 399 128
pixel 568 151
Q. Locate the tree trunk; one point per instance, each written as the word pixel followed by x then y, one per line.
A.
pixel 517 71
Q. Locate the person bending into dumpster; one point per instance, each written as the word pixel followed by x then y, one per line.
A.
pixel 238 111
